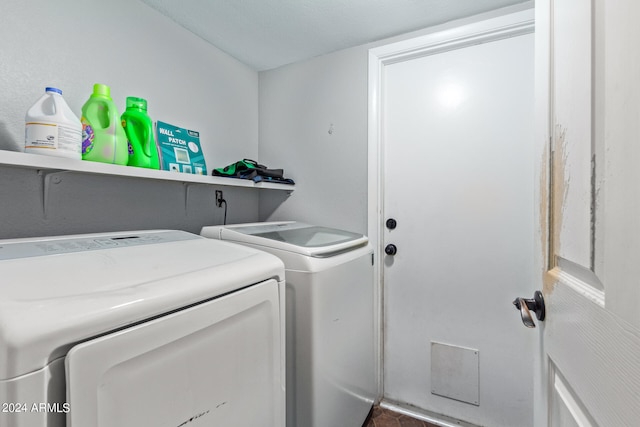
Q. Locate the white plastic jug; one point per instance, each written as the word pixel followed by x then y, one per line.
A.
pixel 52 128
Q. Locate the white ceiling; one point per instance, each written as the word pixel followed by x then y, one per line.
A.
pixel 266 34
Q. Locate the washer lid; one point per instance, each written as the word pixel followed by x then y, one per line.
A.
pixel 298 237
pixel 58 291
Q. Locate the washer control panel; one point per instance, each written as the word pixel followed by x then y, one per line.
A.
pixel 25 248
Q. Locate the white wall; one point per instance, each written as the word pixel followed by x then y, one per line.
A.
pixel 313 121
pixel 138 52
pixel 298 104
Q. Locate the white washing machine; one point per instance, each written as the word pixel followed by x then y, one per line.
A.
pixel 144 329
pixel 331 378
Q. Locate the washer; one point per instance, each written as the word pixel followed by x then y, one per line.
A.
pixel 144 329
pixel 330 325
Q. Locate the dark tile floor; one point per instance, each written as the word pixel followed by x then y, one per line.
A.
pixel 381 417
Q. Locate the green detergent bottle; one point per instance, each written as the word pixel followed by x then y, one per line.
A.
pixel 138 126
pixel 103 138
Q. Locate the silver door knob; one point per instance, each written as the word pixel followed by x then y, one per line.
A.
pixel 526 306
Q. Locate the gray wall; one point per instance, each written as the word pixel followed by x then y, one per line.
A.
pixel 138 52
pixel 81 203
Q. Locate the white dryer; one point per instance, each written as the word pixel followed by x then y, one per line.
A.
pixel 331 378
pixel 144 329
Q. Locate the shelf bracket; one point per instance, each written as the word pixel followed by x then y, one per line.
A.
pixel 48 178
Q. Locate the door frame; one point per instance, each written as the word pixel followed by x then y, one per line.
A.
pixel 442 39
pixel 543 196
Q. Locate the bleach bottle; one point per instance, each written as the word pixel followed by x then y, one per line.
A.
pixel 103 138
pixel 51 128
pixel 139 129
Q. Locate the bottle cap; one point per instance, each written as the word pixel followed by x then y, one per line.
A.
pixel 53 89
pixel 101 90
pixel 138 103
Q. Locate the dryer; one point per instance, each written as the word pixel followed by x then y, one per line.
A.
pixel 144 329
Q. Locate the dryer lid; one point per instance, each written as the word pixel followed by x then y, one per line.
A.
pixel 298 237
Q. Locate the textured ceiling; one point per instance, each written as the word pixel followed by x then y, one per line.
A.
pixel 266 34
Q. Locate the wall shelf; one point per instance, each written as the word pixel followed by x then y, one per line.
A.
pixel 35 161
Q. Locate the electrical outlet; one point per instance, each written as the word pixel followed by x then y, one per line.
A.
pixel 219 198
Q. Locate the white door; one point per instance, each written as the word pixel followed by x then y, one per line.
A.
pixel 456 148
pixel 588 133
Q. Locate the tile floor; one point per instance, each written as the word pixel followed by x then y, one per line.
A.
pixel 381 417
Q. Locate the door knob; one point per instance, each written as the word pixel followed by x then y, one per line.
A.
pixel 391 249
pixel 391 223
pixel 535 304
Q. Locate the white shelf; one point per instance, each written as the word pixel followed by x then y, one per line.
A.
pixel 35 161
